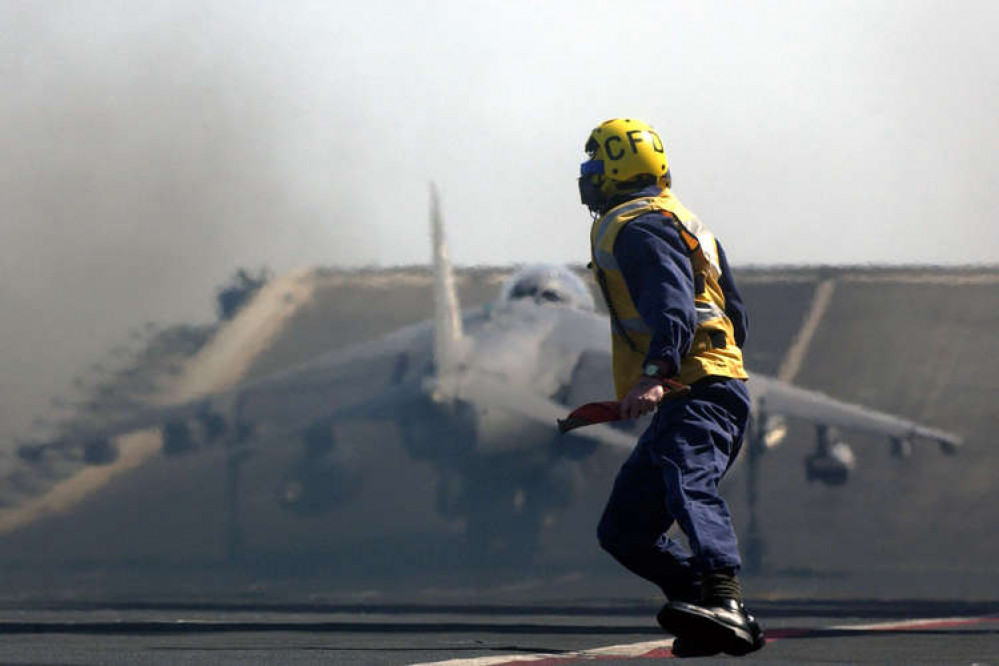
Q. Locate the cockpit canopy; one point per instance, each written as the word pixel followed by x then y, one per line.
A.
pixel 548 285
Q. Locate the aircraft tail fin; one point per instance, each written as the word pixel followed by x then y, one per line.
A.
pixel 447 313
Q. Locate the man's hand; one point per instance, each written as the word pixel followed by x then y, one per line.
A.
pixel 642 398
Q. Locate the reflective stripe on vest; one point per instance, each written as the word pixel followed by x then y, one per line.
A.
pixel 708 311
pixel 604 258
pixel 705 313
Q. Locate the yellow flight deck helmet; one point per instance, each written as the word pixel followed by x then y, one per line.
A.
pixel 625 154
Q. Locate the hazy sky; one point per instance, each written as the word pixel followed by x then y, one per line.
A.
pixel 150 148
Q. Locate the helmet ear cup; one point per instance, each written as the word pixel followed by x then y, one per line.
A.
pixel 591 179
pixel 591 192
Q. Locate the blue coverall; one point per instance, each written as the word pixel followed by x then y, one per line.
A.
pixel 674 471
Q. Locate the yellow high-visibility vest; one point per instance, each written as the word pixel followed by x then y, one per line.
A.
pixel 713 351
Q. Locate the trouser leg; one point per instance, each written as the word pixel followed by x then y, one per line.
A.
pixel 673 474
pixel 693 444
pixel 633 529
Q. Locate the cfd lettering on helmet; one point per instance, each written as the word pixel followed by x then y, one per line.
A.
pixel 607 148
pixel 616 152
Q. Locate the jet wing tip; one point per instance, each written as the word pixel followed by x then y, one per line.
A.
pixel 951 446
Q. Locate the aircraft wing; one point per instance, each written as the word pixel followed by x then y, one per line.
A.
pixel 368 380
pixel 484 390
pixel 772 396
pixel 363 380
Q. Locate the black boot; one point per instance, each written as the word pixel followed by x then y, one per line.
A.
pixel 718 623
pixel 721 625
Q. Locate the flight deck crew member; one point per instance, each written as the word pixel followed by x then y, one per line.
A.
pixel 675 314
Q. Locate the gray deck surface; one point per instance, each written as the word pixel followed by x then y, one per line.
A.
pixel 801 633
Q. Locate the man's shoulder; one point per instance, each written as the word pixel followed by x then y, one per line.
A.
pixel 651 225
pixel 648 233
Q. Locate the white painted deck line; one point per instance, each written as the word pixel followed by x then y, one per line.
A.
pixel 925 623
pixel 798 350
pixel 623 650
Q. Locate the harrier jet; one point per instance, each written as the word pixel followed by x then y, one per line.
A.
pixel 477 394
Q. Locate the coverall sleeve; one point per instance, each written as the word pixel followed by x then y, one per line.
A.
pixel 734 306
pixel 657 271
